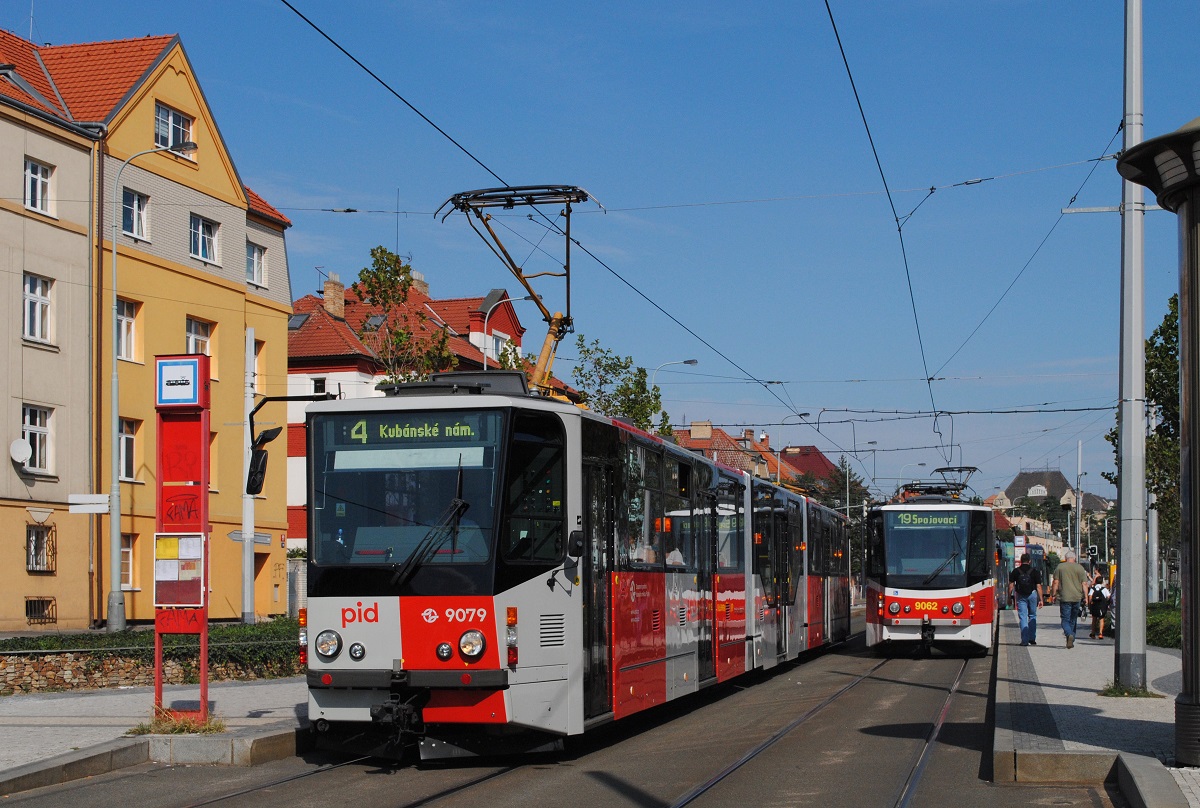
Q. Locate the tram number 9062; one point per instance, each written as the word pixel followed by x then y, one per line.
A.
pixel 926 604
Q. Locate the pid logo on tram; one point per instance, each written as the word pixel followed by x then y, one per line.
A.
pixel 351 614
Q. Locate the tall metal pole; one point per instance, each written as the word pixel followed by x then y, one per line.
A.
pixel 248 498
pixel 1130 661
pixel 1079 505
pixel 1152 588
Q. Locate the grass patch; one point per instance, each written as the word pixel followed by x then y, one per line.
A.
pixel 166 722
pixel 1125 691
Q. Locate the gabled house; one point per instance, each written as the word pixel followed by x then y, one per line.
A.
pixel 330 350
pixel 90 148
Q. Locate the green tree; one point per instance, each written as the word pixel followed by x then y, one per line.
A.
pixel 1162 443
pixel 611 385
pixel 409 349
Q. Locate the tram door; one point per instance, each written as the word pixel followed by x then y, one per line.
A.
pixel 779 547
pixel 597 575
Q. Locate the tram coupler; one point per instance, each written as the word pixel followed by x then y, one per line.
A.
pixel 400 719
pixel 926 634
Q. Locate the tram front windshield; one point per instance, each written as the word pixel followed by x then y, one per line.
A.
pixel 397 488
pixel 926 549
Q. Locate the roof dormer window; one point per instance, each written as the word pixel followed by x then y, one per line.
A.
pixel 171 127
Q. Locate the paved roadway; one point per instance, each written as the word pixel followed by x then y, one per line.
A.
pixel 858 750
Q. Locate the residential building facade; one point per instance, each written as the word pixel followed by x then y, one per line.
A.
pixel 86 133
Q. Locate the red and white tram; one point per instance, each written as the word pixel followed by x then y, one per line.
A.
pixel 491 571
pixel 931 569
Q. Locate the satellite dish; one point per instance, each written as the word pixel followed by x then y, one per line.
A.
pixel 20 451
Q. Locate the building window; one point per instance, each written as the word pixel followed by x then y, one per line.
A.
pixel 1038 491
pixel 204 239
pixel 128 447
pixel 318 386
pixel 36 321
pixel 40 549
pixel 40 611
pixel 127 541
pixel 171 127
pixel 37 186
pixel 127 329
pixel 35 430
pixel 256 264
pixel 199 337
pixel 133 213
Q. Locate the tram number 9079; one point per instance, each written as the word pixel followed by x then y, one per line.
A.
pixel 926 604
pixel 466 615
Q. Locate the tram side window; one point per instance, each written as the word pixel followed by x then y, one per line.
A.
pixel 978 557
pixel 641 546
pixel 876 558
pixel 730 529
pixel 795 527
pixel 677 540
pixel 536 490
pixel 816 544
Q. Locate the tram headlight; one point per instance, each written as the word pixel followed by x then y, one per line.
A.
pixel 957 608
pixel 328 644
pixel 357 651
pixel 471 644
pixel 445 651
pixel 894 607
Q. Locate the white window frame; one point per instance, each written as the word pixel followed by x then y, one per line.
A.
pixel 37 185
pixel 198 338
pixel 256 264
pixel 127 443
pixel 203 243
pixel 128 540
pixel 35 320
pixel 38 548
pixel 127 329
pixel 36 430
pixel 171 127
pixel 133 208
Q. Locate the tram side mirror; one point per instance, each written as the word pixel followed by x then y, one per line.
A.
pixel 575 544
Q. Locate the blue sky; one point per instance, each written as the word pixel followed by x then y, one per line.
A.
pixel 741 192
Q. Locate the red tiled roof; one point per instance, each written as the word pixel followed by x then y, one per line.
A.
pixel 456 311
pixel 1001 521
pixel 808 460
pixel 721 447
pixel 322 334
pixel 263 208
pixel 22 54
pixel 93 77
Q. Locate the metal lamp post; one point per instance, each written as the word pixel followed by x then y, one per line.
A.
pixel 116 598
pixel 488 314
pixel 1169 166
pixel 654 375
pixel 906 465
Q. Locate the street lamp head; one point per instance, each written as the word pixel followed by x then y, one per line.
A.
pixel 186 147
pixel 1167 165
pixel 691 361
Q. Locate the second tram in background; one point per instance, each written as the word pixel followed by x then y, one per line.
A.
pixel 931 568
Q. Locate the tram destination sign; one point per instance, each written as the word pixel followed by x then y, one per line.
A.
pixel 918 519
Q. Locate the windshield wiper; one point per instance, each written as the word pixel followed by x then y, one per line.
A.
pixel 446 527
pixel 943 566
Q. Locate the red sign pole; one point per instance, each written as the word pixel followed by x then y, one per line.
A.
pixel 181 544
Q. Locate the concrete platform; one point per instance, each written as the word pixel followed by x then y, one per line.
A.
pixel 1052 726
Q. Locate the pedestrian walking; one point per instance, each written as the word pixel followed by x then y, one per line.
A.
pixel 1069 581
pixel 1098 598
pixel 1025 590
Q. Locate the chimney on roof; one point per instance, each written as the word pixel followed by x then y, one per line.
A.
pixel 701 430
pixel 748 435
pixel 335 296
pixel 419 282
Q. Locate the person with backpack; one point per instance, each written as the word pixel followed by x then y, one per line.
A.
pixel 1099 598
pixel 1025 589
